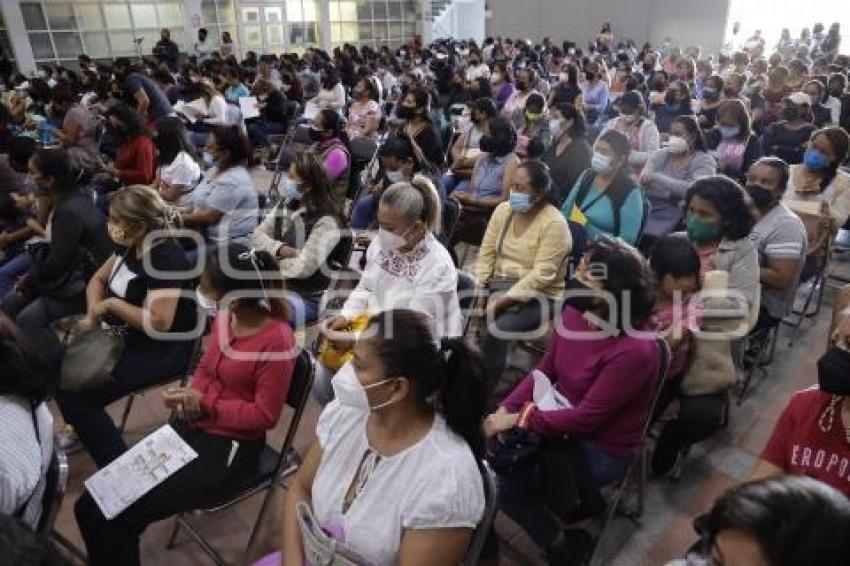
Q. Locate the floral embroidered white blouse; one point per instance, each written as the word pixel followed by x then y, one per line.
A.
pixel 424 279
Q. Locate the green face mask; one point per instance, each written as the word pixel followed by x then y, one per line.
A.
pixel 702 231
pixel 533 116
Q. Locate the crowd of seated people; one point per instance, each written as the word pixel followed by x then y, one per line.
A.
pixel 622 202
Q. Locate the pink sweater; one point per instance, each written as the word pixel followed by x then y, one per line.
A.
pixel 610 383
pixel 243 398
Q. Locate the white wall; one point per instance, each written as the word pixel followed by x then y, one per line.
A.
pixel 686 22
pixel 462 19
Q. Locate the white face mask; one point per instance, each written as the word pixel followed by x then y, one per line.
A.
pixel 556 126
pixel 290 189
pixel 351 393
pixel 389 241
pixel 396 176
pixel 677 145
pixel 563 77
pixel 207 305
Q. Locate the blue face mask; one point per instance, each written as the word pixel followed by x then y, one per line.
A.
pixel 815 160
pixel 728 132
pixel 520 202
pixel 290 189
pixel 208 160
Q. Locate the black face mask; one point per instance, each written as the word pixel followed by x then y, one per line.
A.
pixel 790 113
pixel 581 302
pixel 521 85
pixel 406 112
pixel 834 372
pixel 763 198
pixel 590 76
pixel 494 146
pixel 670 99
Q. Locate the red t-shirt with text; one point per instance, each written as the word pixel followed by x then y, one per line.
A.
pixel 800 447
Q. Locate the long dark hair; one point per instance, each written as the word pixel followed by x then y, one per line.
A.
pixel 55 163
pixel 839 141
pixel 446 374
pixel 172 138
pixel 730 201
pixel 22 373
pixel 251 271
pixel 320 199
pixel 333 122
pixel 134 124
pixel 689 122
pixel 232 140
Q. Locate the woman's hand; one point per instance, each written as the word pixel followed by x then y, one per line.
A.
pixel 102 308
pixel 500 304
pixel 88 322
pixel 185 400
pixel 286 252
pixel 500 421
pixel 336 332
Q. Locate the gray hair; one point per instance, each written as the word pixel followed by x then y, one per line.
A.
pixel 416 200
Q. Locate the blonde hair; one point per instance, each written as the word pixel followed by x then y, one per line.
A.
pixel 416 200
pixel 142 205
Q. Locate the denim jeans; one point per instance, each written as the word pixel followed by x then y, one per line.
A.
pixel 259 131
pixel 11 270
pixel 365 212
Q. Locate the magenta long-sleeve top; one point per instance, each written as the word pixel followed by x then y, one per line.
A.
pixel 609 381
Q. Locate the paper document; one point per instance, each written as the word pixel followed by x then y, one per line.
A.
pixel 546 397
pixel 138 470
pixel 192 111
pixel 248 107
pixel 311 110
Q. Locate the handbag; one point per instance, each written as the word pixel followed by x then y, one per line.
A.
pixel 91 355
pixel 501 283
pixel 320 549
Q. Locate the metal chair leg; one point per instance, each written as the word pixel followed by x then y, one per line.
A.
pixel 126 415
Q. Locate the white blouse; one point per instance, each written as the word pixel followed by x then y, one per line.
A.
pixel 424 279
pixel 433 484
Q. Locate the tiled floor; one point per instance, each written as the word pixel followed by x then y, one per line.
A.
pixel 664 531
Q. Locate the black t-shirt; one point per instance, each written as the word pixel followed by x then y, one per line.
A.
pixel 781 141
pixel 431 144
pixel 130 282
pixel 159 104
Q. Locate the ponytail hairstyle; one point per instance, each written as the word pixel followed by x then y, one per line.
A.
pixel 417 200
pixel 444 373
pixel 248 271
pixel 141 205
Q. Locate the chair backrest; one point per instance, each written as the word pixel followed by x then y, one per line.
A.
pixel 363 150
pixel 54 488
pixel 466 297
pixel 479 536
pixel 341 253
pixel 297 397
pixel 450 216
pixel 302 134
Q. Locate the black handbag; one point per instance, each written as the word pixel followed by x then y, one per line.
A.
pixel 513 449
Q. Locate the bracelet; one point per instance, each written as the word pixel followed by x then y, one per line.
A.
pixel 525 415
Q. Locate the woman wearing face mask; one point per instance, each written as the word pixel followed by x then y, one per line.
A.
pixel 532 126
pixel 570 153
pixel 526 80
pixel 608 378
pixel 179 173
pixel 718 224
pixel 677 102
pixel 733 140
pixel 331 95
pixel 816 422
pixel 232 400
pixel 466 148
pixel 331 143
pixel 594 93
pixel 406 267
pixel 819 178
pixel 138 288
pixel 77 131
pixel 364 114
pixel 641 132
pixel 821 115
pixel 407 425
pixel 414 109
pixel 224 205
pixel 135 161
pixel 503 82
pixel 527 240
pixel 605 198
pixel 567 91
pixel 671 170
pixel 490 184
pixel 787 138
pixel 274 117
pixel 76 244
pixel 711 92
pixel 302 233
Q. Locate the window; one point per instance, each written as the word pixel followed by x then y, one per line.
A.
pixel 302 24
pixel 5 45
pixel 105 29
pixel 218 16
pixel 372 22
pixel 770 16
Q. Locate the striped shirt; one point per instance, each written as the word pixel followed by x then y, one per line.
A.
pixel 23 460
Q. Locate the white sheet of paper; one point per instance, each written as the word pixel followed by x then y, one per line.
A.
pixel 138 470
pixel 193 111
pixel 546 397
pixel 311 110
pixel 248 107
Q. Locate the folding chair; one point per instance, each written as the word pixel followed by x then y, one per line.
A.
pixel 450 217
pixel 476 545
pixel 466 284
pixel 638 468
pixel 297 139
pixel 194 358
pixel 274 466
pixel 54 493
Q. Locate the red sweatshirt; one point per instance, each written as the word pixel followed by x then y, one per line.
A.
pixel 136 161
pixel 244 380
